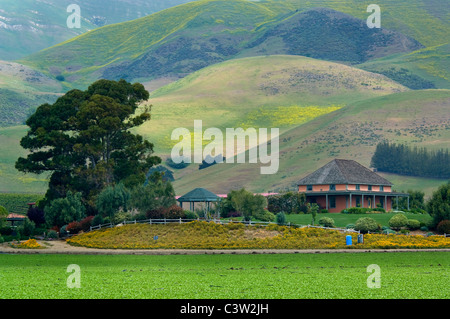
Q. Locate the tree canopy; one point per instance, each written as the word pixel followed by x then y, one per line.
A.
pixel 84 140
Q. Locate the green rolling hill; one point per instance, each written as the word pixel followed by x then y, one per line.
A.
pixel 27 26
pixel 274 91
pixel 426 68
pixel 186 38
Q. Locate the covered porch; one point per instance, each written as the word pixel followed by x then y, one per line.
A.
pixel 336 201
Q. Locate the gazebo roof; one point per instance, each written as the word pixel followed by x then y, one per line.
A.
pixel 15 217
pixel 199 195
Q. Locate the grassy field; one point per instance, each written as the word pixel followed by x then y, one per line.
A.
pixel 342 220
pixel 415 275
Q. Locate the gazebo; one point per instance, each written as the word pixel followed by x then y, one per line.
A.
pixel 199 195
pixel 15 218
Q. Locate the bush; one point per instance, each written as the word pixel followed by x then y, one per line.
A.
pixel 97 220
pixel 264 215
pixel 36 215
pixel 190 215
pixel 281 218
pixel 324 211
pixel 367 224
pixel 52 234
pixel 86 223
pixel 398 221
pixel 443 227
pixel 326 222
pixel 112 199
pixel 62 211
pixel 413 224
pixel 424 228
pixel 27 228
pixel 73 227
pixel 350 226
pixel 439 204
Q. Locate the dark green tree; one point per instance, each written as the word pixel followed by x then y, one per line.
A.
pixel 62 211
pixel 84 140
pixel 438 206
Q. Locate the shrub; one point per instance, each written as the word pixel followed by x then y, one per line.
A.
pixel 281 218
pixel 86 223
pixel 190 215
pixel 324 211
pixel 439 204
pixel 30 244
pixel 366 224
pixel 413 224
pixel 97 220
pixel 350 226
pixel 62 211
pixel 444 227
pixel 157 213
pixel 36 215
pixel 52 234
pixel 112 199
pixel 424 228
pixel 326 222
pixel 27 228
pixel 398 221
pixel 174 212
pixel 73 227
pixel 264 216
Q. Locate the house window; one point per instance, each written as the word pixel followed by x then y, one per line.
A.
pixel 381 188
pixel 358 187
pixel 358 202
pixel 309 187
pixel 332 187
pixel 369 187
pixel 332 202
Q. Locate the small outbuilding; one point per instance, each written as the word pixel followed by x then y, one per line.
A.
pixel 198 198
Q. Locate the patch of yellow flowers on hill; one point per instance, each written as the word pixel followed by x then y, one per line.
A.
pixel 204 235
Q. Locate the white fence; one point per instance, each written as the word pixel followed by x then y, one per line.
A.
pixel 218 221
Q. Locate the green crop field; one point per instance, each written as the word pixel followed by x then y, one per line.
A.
pixel 409 275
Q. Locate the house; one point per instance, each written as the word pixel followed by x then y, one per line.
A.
pixel 342 184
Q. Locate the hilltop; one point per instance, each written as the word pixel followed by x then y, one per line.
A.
pixel 180 40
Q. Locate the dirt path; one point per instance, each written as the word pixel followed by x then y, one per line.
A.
pixel 61 247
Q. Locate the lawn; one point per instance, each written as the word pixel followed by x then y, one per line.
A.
pixel 278 276
pixel 341 220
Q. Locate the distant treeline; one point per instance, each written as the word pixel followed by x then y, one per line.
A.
pixel 413 161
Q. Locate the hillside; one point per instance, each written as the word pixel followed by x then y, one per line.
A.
pixel 273 91
pixel 22 89
pixel 415 117
pixel 427 68
pixel 177 41
pixel 27 26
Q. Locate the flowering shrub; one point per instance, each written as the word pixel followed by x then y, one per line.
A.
pixel 29 244
pixel 204 235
